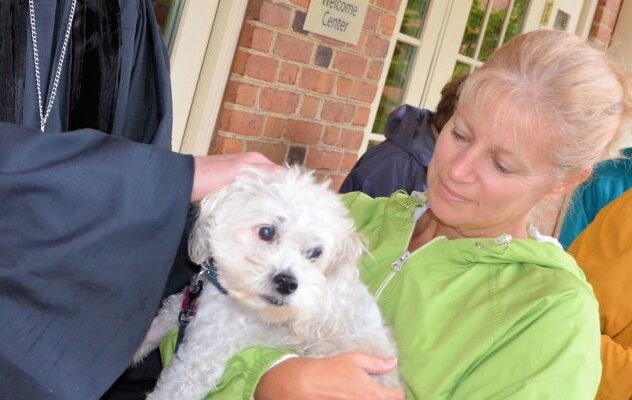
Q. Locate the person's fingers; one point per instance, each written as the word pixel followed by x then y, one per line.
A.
pixel 211 173
pixel 253 158
pixel 374 364
pixel 373 390
pixel 257 160
pixel 270 167
pixel 391 393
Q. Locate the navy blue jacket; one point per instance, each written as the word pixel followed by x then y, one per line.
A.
pixel 401 161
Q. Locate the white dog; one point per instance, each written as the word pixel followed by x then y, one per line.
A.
pixel 285 254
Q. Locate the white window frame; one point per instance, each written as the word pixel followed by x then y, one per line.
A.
pixel 438 49
pixel 586 18
pixel 621 50
pixel 426 44
pixel 448 53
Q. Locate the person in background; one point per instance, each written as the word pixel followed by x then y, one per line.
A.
pixel 401 161
pixel 93 202
pixel 604 251
pixel 609 180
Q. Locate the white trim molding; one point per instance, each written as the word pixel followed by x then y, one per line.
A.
pixel 213 77
pixel 187 57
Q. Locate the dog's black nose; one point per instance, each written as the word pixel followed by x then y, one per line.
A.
pixel 285 283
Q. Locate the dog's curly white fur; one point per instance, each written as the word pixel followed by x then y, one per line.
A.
pixel 286 252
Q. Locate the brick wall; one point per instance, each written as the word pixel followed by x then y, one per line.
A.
pixel 301 97
pixel 604 22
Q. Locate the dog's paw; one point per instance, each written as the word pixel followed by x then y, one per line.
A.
pixel 140 354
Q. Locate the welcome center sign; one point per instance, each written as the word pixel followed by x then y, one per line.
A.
pixel 338 19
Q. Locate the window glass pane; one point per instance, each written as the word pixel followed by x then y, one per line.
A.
pixel 414 17
pixel 395 84
pixel 473 27
pixel 168 15
pixel 561 20
pixel 516 19
pixel 460 69
pixel 372 143
pixel 494 26
pixel 161 9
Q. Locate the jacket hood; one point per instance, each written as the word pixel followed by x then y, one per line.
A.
pixel 524 251
pixel 500 250
pixel 410 128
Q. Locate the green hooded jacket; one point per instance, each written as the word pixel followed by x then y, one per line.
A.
pixel 473 318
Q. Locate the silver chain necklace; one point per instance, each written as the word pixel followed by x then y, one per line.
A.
pixel 49 104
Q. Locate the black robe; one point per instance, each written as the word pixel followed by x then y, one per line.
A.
pixel 90 222
pixel 116 70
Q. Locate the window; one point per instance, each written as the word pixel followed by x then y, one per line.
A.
pixel 489 24
pixel 168 13
pixel 406 48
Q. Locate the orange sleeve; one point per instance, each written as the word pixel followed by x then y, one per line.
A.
pixel 604 252
pixel 616 378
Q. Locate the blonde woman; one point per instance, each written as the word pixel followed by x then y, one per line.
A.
pixel 482 307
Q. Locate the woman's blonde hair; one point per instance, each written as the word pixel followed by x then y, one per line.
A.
pixel 561 85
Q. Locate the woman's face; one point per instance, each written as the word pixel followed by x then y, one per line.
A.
pixel 483 179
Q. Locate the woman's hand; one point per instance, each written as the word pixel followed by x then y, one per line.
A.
pixel 214 172
pixel 343 377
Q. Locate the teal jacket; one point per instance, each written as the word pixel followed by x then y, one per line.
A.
pixel 609 180
pixel 473 319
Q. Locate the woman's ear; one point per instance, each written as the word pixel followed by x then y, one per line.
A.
pixel 580 178
pixel 569 184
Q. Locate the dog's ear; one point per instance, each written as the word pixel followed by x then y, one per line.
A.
pixel 337 306
pixel 204 221
pixel 347 255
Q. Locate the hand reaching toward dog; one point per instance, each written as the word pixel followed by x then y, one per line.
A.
pixel 214 172
pixel 343 377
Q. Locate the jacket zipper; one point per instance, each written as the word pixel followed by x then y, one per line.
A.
pixel 398 265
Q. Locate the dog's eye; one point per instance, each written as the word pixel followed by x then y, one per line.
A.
pixel 266 233
pixel 314 253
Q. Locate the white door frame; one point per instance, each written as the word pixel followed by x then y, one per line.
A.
pixel 586 18
pixel 434 28
pixel 437 33
pixel 187 56
pixel 442 38
pixel 574 8
pixel 202 56
pixel 438 47
pixel 448 48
